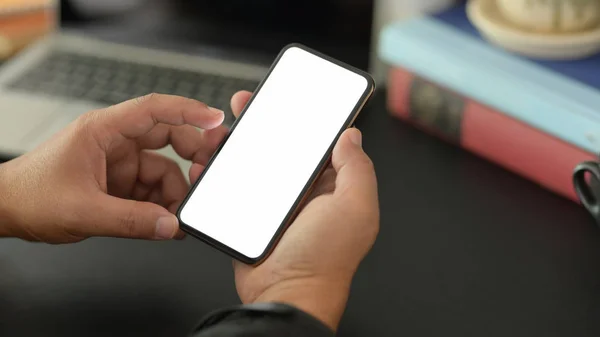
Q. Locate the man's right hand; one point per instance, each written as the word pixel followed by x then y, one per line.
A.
pixel 313 265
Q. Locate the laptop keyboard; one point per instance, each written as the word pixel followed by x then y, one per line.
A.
pixel 109 81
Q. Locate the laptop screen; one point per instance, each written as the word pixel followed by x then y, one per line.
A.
pixel 252 30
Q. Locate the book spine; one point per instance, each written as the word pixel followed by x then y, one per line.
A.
pixel 19 30
pixel 11 7
pixel 544 99
pixel 31 21
pixel 510 143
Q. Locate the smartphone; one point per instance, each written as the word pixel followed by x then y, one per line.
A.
pixel 253 186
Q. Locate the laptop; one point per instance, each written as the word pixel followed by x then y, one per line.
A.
pixel 105 52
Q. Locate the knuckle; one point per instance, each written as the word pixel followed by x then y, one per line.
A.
pixel 146 99
pixel 366 162
pixel 89 118
pixel 91 126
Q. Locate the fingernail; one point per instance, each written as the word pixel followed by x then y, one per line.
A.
pixel 216 112
pixel 165 227
pixel 356 137
pixel 218 115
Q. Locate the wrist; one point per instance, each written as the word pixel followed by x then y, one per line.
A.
pixel 324 300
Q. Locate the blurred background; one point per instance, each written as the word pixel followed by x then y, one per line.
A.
pixel 71 56
pixel 241 24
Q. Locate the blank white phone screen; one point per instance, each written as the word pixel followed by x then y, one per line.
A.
pixel 262 169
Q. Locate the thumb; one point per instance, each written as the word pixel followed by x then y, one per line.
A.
pixel 133 219
pixel 355 172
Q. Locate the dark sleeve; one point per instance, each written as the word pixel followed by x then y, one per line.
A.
pixel 261 320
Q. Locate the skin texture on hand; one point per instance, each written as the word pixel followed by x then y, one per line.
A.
pixel 313 264
pixel 98 177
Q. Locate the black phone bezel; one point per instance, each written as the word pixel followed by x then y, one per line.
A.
pixel 324 161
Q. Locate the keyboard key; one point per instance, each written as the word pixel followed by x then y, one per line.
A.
pixel 185 85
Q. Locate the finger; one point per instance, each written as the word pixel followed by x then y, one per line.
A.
pixel 155 197
pixel 355 172
pixel 195 172
pixel 239 101
pixel 164 176
pixel 173 209
pixel 116 217
pixel 137 117
pixel 180 235
pixel 187 141
pixel 212 140
pixel 140 192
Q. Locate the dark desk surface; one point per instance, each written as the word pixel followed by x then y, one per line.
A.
pixel 466 249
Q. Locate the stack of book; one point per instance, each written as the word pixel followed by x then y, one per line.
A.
pixel 538 119
pixel 22 22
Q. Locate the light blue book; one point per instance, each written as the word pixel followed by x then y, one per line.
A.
pixel 560 98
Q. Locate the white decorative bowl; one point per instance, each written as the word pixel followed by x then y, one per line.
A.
pixel 551 15
pixel 489 20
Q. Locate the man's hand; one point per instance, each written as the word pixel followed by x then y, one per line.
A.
pixel 97 177
pixel 313 265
